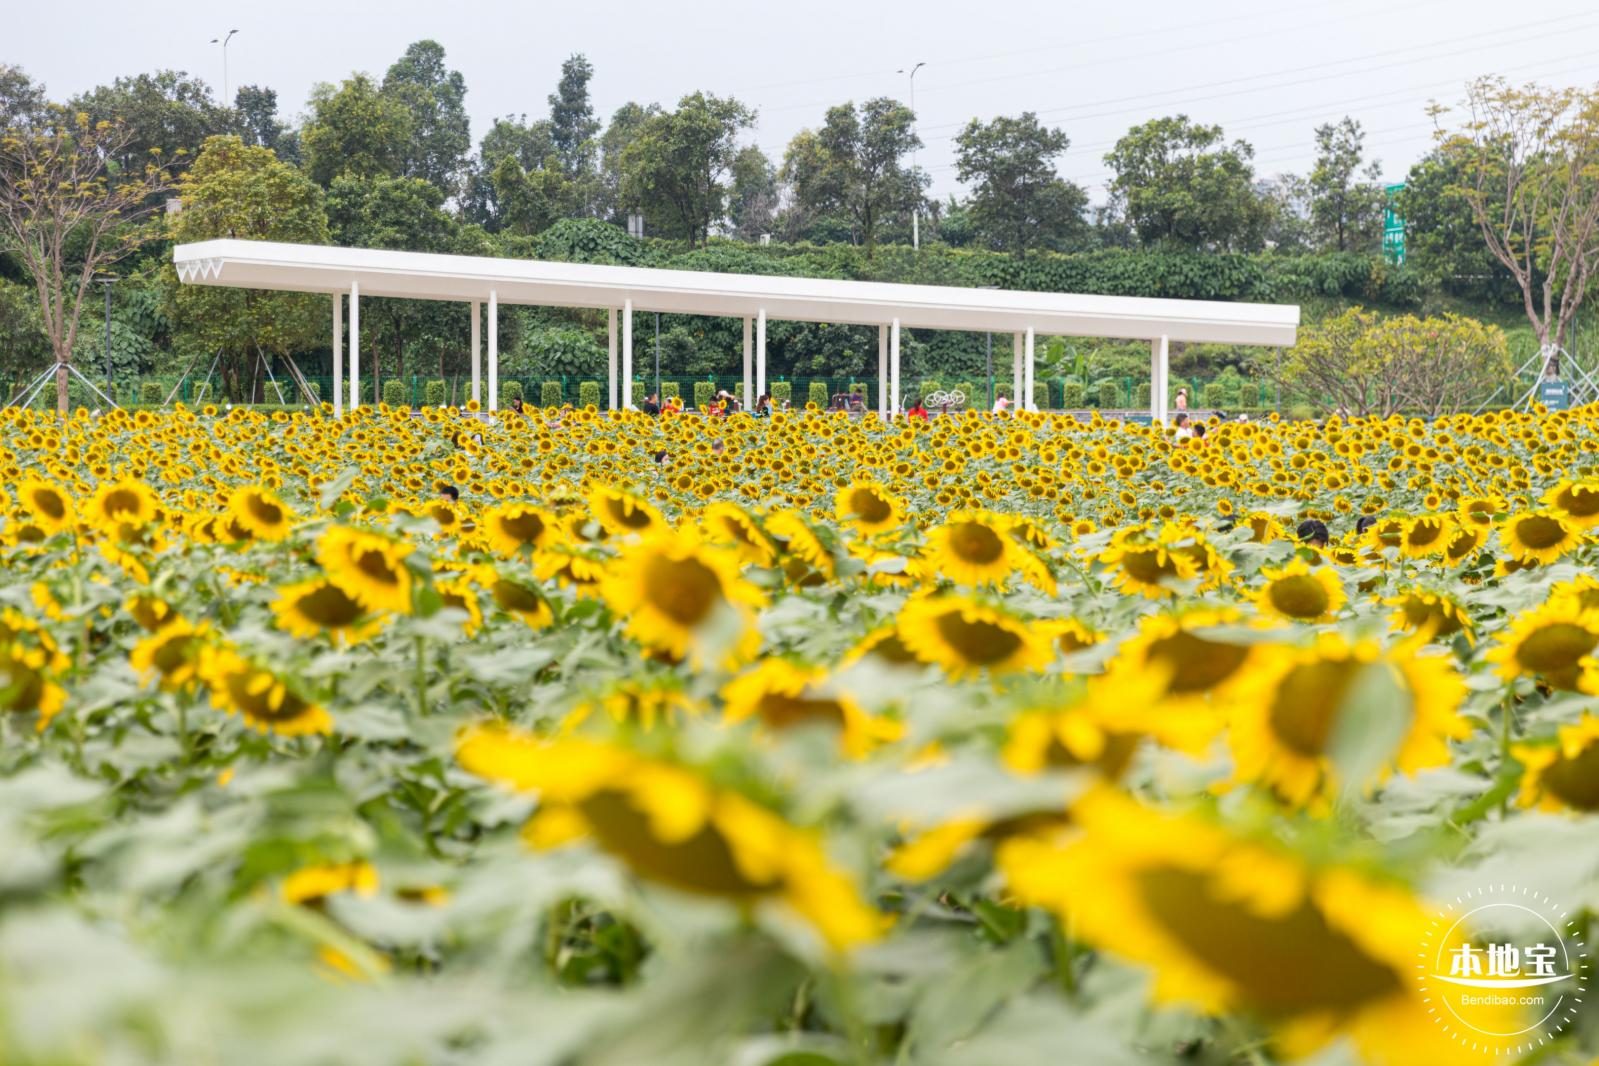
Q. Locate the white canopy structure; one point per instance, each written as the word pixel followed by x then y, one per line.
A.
pixel 755 298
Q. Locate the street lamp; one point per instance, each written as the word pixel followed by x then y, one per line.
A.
pixel 107 281
pixel 223 41
pixel 916 210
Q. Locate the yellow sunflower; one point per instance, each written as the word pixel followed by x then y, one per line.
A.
pixel 671 825
pixel 318 606
pixel 1231 924
pixel 510 528
pixel 48 503
pixel 1300 594
pixel 1281 732
pixel 261 512
pixel 1538 537
pixel 26 684
pixel 966 637
pixel 644 704
pixel 1563 775
pixel 729 525
pixel 867 506
pixel 1555 643
pixel 127 501
pixel 371 569
pixel 1425 535
pixel 782 694
pixel 972 548
pixel 1576 501
pixel 1148 566
pixel 263 699
pixel 312 884
pixel 684 598
pixel 171 653
pixel 622 513
pixel 1433 614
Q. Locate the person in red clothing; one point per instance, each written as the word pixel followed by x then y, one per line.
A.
pixel 917 410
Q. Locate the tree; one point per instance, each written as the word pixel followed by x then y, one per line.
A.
pixel 856 163
pixel 1287 199
pixel 69 211
pixel 528 144
pixel 1442 239
pixel 1018 200
pixel 1529 162
pixel 677 167
pixel 167 110
pixel 434 97
pixel 1179 185
pixel 1346 202
pixel 260 125
pixel 752 199
pixel 1363 364
pixel 242 191
pixel 22 101
pixel 572 122
pixel 531 201
pixel 356 130
pixel 625 125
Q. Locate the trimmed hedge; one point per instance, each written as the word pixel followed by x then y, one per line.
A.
pixel 670 391
pixel 1041 395
pixel 435 393
pixel 704 392
pixel 638 394
pixel 1249 394
pixel 817 394
pixel 509 391
pixel 1074 395
pixel 395 393
pixel 551 394
pixel 1216 396
pixel 151 393
pixel 782 392
pixel 1109 396
pixel 588 394
pixel 1141 395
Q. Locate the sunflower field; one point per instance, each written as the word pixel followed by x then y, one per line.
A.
pixel 786 742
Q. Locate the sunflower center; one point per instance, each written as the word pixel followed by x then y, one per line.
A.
pixel 1197 664
pixel 979 641
pixel 869 507
pixel 1539 531
pixel 21 688
pixel 627 515
pixel 703 863
pixel 1575 781
pixel 1289 964
pixel 119 502
pixel 525 527
pixel 1557 646
pixel 50 504
pixel 516 597
pixel 375 565
pixel 1306 704
pixel 1149 565
pixel 1299 596
pixel 264 510
pixel 253 692
pixel 685 590
pixel 975 543
pixel 328 607
pixel 780 711
pixel 1425 532
pixel 1580 501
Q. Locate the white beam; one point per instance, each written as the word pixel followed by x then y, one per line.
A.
pixel 749 369
pixel 355 345
pixel 893 369
pixel 338 355
pixel 494 350
pixel 882 372
pixel 610 358
pixel 1159 374
pixel 477 351
pixel 1015 371
pixel 627 355
pixel 760 352
pixel 1027 372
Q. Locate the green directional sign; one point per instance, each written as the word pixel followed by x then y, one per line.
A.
pixel 1393 226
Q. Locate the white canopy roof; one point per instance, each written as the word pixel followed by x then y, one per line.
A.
pixel 426 276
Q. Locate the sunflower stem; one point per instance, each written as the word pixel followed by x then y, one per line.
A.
pixel 1506 719
pixel 1061 939
pixel 421 676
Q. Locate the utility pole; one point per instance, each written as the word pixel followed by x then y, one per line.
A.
pixel 223 41
pixel 916 210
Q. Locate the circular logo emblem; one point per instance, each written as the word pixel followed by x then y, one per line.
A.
pixel 1504 968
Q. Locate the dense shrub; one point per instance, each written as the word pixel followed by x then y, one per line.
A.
pixel 395 394
pixel 1041 395
pixel 817 394
pixel 1074 395
pixel 782 392
pixel 1216 396
pixel 509 391
pixel 670 390
pixel 435 393
pixel 637 393
pixel 1249 394
pixel 704 391
pixel 551 394
pixel 1109 395
pixel 1141 395
pixel 588 394
pixel 151 393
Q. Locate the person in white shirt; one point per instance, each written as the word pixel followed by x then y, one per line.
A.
pixel 1001 405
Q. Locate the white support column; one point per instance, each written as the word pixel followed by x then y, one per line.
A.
pixel 893 369
pixel 494 350
pixel 1027 372
pixel 338 355
pixel 882 372
pixel 627 355
pixel 1015 371
pixel 749 363
pixel 760 352
pixel 477 351
pixel 1159 372
pixel 610 358
pixel 355 345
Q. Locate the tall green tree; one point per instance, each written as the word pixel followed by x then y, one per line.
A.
pixel 1346 199
pixel 1018 199
pixel 678 166
pixel 527 144
pixel 856 164
pixel 355 129
pixel 753 194
pixel 573 126
pixel 1442 239
pixel 260 126
pixel 167 111
pixel 22 100
pixel 236 190
pixel 1181 185
pixel 626 123
pixel 434 97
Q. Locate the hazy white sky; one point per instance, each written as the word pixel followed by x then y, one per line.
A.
pixel 1266 71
